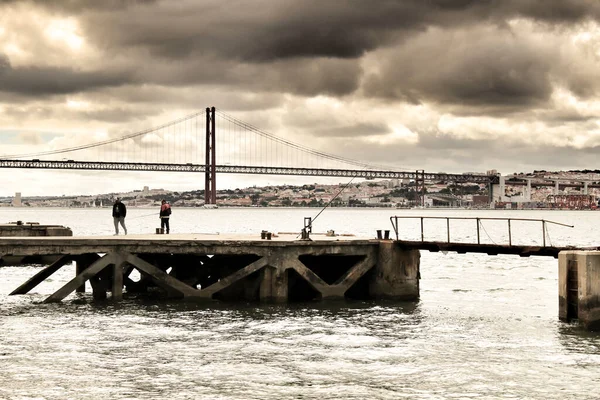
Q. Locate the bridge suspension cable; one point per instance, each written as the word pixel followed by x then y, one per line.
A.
pixel 105 142
pixel 297 146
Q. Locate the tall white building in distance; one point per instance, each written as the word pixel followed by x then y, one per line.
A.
pixel 17 200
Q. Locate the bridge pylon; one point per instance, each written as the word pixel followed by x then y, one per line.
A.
pixel 210 175
pixel 420 188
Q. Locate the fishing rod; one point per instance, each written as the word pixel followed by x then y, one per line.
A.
pixel 308 228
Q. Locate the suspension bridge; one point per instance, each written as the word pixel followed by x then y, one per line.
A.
pixel 196 142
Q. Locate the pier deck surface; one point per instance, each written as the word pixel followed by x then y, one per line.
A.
pixel 192 242
pixel 173 243
pixel 284 237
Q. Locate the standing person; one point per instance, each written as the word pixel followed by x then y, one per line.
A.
pixel 119 212
pixel 165 213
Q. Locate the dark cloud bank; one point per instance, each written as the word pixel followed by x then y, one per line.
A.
pixel 462 56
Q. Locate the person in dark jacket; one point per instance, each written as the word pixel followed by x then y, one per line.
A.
pixel 165 213
pixel 119 212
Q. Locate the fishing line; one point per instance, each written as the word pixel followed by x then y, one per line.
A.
pixel 142 216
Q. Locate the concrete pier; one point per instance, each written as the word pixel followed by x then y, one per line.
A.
pixel 226 267
pixel 396 274
pixel 579 287
pixel 20 228
pixel 284 269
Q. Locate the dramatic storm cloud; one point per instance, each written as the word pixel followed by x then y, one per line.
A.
pixel 440 85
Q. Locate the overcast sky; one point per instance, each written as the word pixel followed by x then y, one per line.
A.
pixel 439 85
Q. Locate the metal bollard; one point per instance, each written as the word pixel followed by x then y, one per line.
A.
pixel 379 234
pixel 263 234
pixel 386 235
pixel 268 235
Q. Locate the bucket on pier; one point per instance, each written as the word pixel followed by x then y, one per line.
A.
pixel 386 234
pixel 160 231
pixel 265 235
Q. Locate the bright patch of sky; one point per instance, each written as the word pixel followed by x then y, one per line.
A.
pixel 11 136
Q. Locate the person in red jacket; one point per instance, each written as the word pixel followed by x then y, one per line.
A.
pixel 165 213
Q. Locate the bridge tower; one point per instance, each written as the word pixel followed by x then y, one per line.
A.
pixel 210 174
pixel 420 188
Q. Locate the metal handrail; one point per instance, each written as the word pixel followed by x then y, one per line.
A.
pixel 394 221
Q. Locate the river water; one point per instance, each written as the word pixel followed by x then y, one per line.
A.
pixel 485 327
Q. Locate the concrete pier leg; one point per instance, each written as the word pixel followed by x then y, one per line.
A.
pixel 98 288
pixel 579 287
pixel 76 282
pixel 274 285
pixel 78 270
pixel 161 278
pixel 41 276
pixel 397 273
pixel 117 282
pixel 81 263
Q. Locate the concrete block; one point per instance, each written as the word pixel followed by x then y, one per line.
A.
pixel 579 287
pixel 396 274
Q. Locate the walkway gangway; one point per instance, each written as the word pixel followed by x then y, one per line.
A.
pixel 479 247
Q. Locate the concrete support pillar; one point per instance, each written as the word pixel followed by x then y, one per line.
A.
pixel 556 188
pixel 117 282
pixel 397 273
pixel 579 287
pixel 499 190
pixel 79 269
pixel 528 194
pixel 98 288
pixel 81 263
pixel 274 284
pixel 585 187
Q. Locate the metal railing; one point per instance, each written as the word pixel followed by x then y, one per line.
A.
pixel 394 220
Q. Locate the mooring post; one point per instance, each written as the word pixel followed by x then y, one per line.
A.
pixel 579 287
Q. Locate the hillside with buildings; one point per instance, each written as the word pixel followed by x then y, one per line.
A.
pixel 541 189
